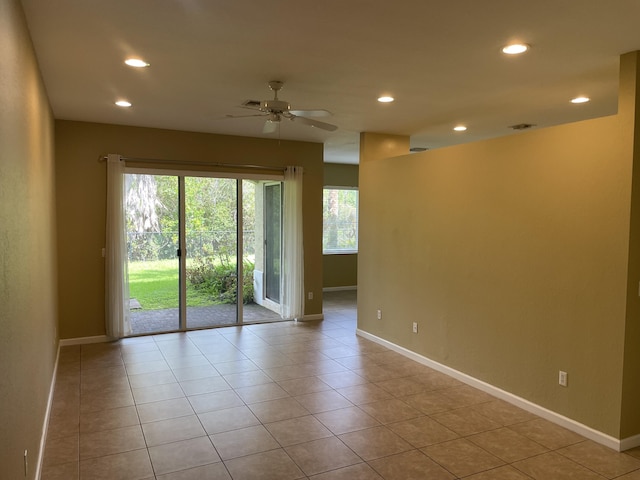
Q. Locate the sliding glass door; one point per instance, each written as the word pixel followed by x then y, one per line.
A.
pixel 211 233
pixel 185 235
pixel 152 223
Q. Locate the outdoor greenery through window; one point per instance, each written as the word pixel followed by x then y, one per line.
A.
pixel 340 220
pixel 153 240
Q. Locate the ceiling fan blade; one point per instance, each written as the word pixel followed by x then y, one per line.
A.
pixel 314 123
pixel 270 126
pixel 246 116
pixel 311 113
pixel 251 104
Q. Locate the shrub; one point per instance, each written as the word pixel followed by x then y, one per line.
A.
pixel 220 280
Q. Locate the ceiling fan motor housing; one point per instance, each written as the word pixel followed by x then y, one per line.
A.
pixel 274 106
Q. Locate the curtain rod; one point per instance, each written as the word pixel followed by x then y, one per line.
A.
pixel 192 163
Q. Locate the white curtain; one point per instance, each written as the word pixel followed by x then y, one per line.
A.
pixel 292 253
pixel 118 324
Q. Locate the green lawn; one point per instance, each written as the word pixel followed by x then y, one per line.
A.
pixel 155 285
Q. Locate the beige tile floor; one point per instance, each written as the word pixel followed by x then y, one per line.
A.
pixel 294 401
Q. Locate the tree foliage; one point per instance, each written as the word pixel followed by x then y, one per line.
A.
pixel 340 219
pixel 142 203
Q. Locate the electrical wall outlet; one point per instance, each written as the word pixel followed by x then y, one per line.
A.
pixel 563 378
pixel 310 295
pixel 379 314
pixel 415 327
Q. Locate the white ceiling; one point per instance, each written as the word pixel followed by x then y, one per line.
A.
pixel 440 59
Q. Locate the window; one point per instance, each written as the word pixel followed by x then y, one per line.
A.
pixel 340 220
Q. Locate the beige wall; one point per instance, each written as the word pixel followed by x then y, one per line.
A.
pixel 27 247
pixel 340 270
pixel 630 112
pixel 340 175
pixel 511 254
pixel 82 197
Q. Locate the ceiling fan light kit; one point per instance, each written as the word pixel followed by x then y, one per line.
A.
pixel 270 106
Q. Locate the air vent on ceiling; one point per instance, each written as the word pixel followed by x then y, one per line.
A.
pixel 252 103
pixel 417 149
pixel 522 126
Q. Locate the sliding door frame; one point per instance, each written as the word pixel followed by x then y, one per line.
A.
pixel 182 252
pixel 239 253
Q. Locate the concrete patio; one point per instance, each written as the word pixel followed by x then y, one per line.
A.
pixel 166 320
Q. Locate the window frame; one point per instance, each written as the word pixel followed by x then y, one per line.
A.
pixel 341 251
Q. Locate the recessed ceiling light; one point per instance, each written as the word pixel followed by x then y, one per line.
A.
pixel 580 100
pixel 136 62
pixel 515 48
pixel 460 128
pixel 123 103
pixel 385 99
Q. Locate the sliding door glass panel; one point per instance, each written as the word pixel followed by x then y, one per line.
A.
pixel 152 244
pixel 211 209
pixel 273 240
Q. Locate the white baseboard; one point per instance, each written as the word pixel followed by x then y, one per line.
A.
pixel 339 289
pixel 569 424
pixel 629 442
pixel 84 340
pixel 47 415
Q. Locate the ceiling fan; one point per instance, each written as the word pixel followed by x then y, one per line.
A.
pixel 275 110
